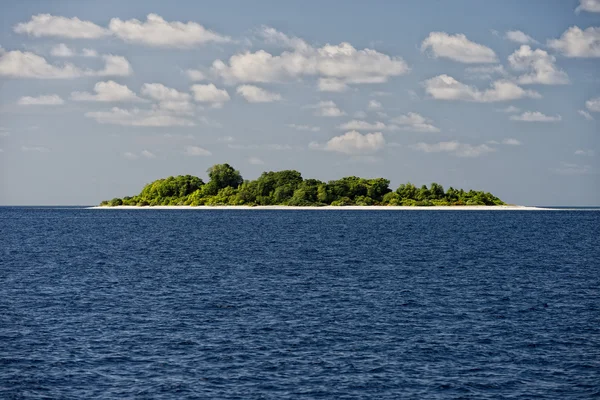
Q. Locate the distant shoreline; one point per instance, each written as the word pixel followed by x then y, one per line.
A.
pixel 389 208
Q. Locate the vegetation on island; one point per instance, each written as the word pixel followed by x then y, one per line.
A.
pixel 227 187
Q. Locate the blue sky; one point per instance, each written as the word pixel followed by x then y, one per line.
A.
pixel 99 98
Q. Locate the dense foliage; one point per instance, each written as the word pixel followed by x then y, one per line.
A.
pixel 227 187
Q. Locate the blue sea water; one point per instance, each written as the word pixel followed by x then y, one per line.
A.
pixel 265 304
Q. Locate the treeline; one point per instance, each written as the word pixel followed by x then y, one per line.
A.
pixel 227 187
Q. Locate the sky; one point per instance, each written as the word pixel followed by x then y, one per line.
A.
pixel 98 98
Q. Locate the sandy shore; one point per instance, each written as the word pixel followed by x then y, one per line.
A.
pixel 387 208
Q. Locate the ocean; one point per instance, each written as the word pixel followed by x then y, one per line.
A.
pixel 278 304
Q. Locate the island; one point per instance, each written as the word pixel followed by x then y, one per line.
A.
pixel 226 187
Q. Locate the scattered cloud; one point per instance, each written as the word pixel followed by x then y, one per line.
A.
pixel 374 105
pixel 458 48
pixel 331 85
pixel 520 37
pixel 144 153
pixel 109 91
pixel 575 42
pixel 486 72
pixel 44 100
pixel 155 31
pixel 62 50
pixel 18 64
pixel 535 116
pixel 540 67
pixel 90 53
pixel 148 154
pixel 358 125
pixel 130 156
pixel 455 148
pixel 572 169
pixel 327 109
pixel 35 149
pixel 341 64
pixel 585 115
pixel 49 25
pixel 137 117
pixel 589 153
pixel 195 75
pixel 511 142
pixel 210 94
pixel 415 122
pixel 196 151
pixel 255 161
pixel 353 143
pixel 254 94
pixel 593 104
pixel 444 87
pixel 509 110
pixel 160 92
pixel 592 6
pixel 307 128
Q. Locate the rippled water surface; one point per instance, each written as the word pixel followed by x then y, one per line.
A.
pixel 245 304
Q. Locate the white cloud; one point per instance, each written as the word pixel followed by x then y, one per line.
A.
pixel 130 156
pixel 148 154
pixel 307 128
pixel 109 91
pixel 327 109
pixel 358 125
pixel 91 53
pixel 196 151
pixel 195 75
pixel 144 153
pixel 540 67
pixel 593 104
pixel 331 85
pixel 44 100
pixel 511 142
pixel 444 87
pixel 353 143
pixel 520 37
pixel 577 43
pixel 160 92
pixel 155 31
pixel 342 64
pixel 485 72
pixel 18 64
pixel 374 105
pixel 35 149
pixel 535 116
pixel 255 161
pixel 458 48
pixel 137 117
pixel 50 25
pixel 210 94
pixel 509 110
pixel 581 152
pixel 254 94
pixel 62 50
pixel 585 115
pixel 589 6
pixel 415 122
pixel 455 148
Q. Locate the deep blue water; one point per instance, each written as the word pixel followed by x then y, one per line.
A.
pixel 248 304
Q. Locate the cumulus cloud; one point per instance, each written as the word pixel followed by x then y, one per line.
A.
pixel 589 6
pixel 353 142
pixel 19 64
pixel 535 116
pixel 160 92
pixel 155 31
pixel 458 48
pixel 455 148
pixel 109 91
pixel 91 53
pixel 374 105
pixel 137 117
pixel 358 125
pixel 540 67
pixel 575 42
pixel 338 65
pixel 415 122
pixel 50 25
pixel 210 94
pixel 585 115
pixel 62 50
pixel 254 94
pixel 327 109
pixel 593 104
pixel 307 128
pixel 444 87
pixel 44 100
pixel 486 72
pixel 195 75
pixel 196 151
pixel 519 37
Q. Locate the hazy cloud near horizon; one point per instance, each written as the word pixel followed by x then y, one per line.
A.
pixel 100 99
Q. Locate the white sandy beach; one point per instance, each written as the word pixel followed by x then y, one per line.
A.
pixel 387 208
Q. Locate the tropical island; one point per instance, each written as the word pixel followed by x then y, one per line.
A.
pixel 226 187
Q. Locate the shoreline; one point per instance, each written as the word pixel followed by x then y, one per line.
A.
pixel 379 208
